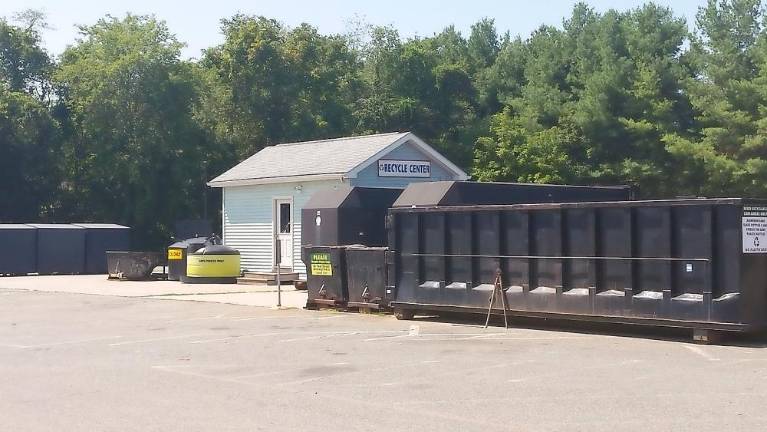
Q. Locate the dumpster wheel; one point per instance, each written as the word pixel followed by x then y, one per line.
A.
pixel 403 314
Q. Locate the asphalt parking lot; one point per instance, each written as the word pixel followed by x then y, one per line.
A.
pixel 80 362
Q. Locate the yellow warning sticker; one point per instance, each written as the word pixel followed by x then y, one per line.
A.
pixel 174 254
pixel 321 264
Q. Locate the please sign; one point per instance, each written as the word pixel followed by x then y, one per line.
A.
pixel 404 168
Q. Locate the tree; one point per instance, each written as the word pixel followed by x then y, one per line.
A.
pixel 24 65
pixel 278 85
pixel 29 177
pixel 728 153
pixel 134 153
pixel 601 94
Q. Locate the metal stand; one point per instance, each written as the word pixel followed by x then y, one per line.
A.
pixel 498 292
pixel 279 264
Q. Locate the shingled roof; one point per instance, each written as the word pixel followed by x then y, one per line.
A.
pixel 317 160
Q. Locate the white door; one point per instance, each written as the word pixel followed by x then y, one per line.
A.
pixel 283 228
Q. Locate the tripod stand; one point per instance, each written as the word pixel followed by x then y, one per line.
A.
pixel 498 292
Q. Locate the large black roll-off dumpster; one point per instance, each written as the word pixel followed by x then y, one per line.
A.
pixel 691 263
pixel 18 253
pixel 461 193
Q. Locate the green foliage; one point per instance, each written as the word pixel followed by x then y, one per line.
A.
pixel 29 136
pixel 28 169
pixel 121 129
pixel 601 93
pixel 134 153
pixel 277 85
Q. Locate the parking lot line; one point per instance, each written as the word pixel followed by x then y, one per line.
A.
pixel 221 339
pixel 699 351
pixel 159 339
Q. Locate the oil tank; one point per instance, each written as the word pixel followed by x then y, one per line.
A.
pixel 18 254
pixel 100 238
pixel 214 264
pixel 60 248
pixel 177 256
pixel 694 263
pixel 347 215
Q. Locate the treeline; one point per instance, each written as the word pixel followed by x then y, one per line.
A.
pixel 120 128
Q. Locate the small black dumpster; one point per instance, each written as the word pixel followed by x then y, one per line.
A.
pixel 18 253
pixel 100 238
pixel 60 248
pixel 177 256
pixel 366 277
pixel 692 263
pixel 325 275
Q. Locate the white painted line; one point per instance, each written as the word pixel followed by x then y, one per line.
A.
pixel 333 317
pixel 701 352
pixel 252 318
pixel 322 336
pixel 15 346
pixel 202 341
pixel 199 375
pixel 72 342
pixel 461 371
pixel 386 338
pixel 159 339
pixel 195 319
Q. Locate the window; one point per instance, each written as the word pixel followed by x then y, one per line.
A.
pixel 285 218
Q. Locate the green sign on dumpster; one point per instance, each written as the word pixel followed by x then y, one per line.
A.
pixel 321 264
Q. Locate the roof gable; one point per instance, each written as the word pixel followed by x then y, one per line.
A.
pixel 321 160
pixel 313 159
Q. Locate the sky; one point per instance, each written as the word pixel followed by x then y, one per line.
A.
pixel 198 23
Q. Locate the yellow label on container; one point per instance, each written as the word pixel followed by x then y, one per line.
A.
pixel 321 264
pixel 174 254
pixel 213 265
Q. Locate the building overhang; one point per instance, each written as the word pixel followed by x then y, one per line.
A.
pixel 277 180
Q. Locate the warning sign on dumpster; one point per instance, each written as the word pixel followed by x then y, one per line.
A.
pixel 754 230
pixel 321 264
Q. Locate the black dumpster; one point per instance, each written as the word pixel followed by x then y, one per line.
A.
pixel 461 193
pixel 60 248
pixel 347 215
pixel 100 238
pixel 325 275
pixel 18 253
pixel 695 263
pixel 177 256
pixel 366 277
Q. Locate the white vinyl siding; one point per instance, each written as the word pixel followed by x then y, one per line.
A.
pixel 248 221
